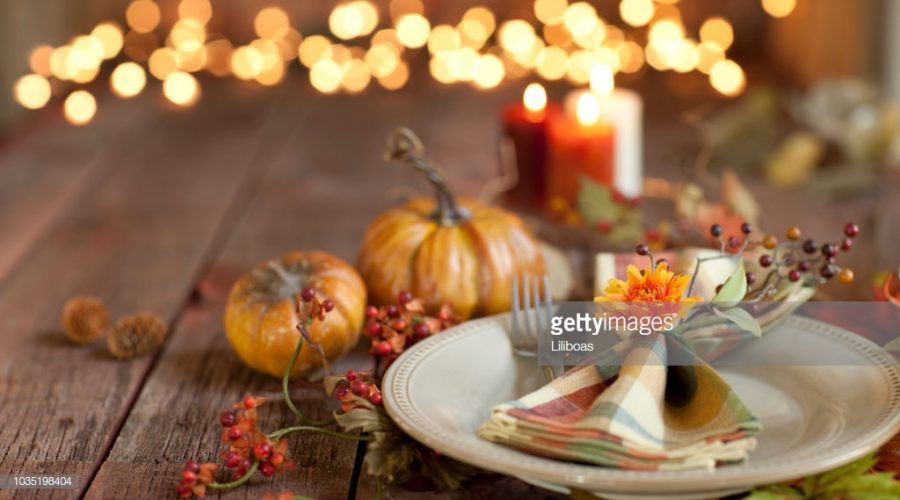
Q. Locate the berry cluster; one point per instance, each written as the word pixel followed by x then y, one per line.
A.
pixel 356 387
pixel 394 328
pixel 195 478
pixel 247 445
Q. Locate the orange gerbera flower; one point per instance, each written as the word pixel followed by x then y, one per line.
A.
pixel 660 285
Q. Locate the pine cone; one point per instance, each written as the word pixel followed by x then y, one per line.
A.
pixel 84 319
pixel 136 335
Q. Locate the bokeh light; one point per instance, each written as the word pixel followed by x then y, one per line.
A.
pixel 636 12
pixel 32 91
pixel 312 49
pixel 39 60
pixel 80 107
pixel 779 8
pixel 325 76
pixel 535 97
pixel 218 57
pixel 271 22
pixel 413 30
pixel 162 63
pixel 550 11
pixel 142 15
pixel 727 77
pixel 382 61
pixel 517 36
pixel 111 38
pixel 488 71
pixel 552 63
pixel 580 19
pixel 718 31
pixel 198 10
pixel 602 80
pixel 181 88
pixel 128 79
pixel 397 79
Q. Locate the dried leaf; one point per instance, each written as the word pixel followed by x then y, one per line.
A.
pixel 738 198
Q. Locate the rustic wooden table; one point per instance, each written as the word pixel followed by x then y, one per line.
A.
pixel 161 210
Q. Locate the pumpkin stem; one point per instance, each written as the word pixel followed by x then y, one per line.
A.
pixel 403 145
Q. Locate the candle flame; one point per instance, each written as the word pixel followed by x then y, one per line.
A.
pixel 602 81
pixel 587 110
pixel 535 97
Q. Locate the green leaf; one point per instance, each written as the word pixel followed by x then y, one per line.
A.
pixel 595 202
pixel 774 492
pixel 893 345
pixel 740 317
pixel 850 482
pixel 735 286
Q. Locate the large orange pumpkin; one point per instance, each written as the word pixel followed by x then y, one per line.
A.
pixel 464 252
pixel 261 319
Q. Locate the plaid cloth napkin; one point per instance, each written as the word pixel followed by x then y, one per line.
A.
pixel 641 415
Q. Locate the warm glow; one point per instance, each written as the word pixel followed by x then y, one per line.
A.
pixel 142 16
pixel 581 62
pixel 273 75
pixel 631 57
pixel 587 111
pixel 271 22
pixel 314 48
pixel 488 71
pixel 39 60
pixel 413 30
pixel 369 14
pixel 727 77
pixel 247 62
pixel 580 19
pixel 718 31
pixel 517 36
pixel 636 12
pixel 779 8
pixel 181 88
pixel 187 36
pixel 609 57
pixel 400 8
pixel 110 36
pixel 218 57
pixel 708 54
pixel 593 39
pixel 602 81
pixel 557 35
pixel 356 76
pixel 552 63
pixel 535 97
pixel 666 30
pixel 325 76
pixel 443 37
pixel 685 57
pixel 59 60
pixel 162 63
pixel 84 59
pixel 128 79
pixel 32 91
pixel 382 61
pixel 397 79
pixel 476 26
pixel 345 21
pixel 80 107
pixel 198 10
pixel 139 46
pixel 550 11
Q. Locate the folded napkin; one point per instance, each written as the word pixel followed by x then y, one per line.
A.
pixel 640 415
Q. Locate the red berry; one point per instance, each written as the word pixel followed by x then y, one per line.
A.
pixel 375 398
pixel 307 294
pixel 829 250
pixel 392 311
pixel 384 348
pixel 794 275
pixel 604 226
pixel 184 490
pixel 635 202
pixel 733 241
pixel 766 260
pixel 421 330
pixel 235 433
pixel 642 249
pixel 719 288
pixel 443 315
pixel 262 451
pixel 277 459
pixel 404 297
pixel 715 230
pixel 227 419
pixel 827 271
pixel 809 246
pixel 399 325
pixel 652 234
pixel 751 278
pixel 192 466
pixel 249 403
pixel 359 387
pixel 232 459
pixel 851 230
pixel 266 469
pixel 189 476
pixel 244 465
pixel 342 391
pixel 351 375
pixel 662 261
pixel 327 305
pixel 846 245
pixel 618 197
pixel 371 311
pixel 373 328
pixel 746 228
pixel 803 265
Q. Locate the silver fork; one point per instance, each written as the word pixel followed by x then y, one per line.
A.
pixel 531 317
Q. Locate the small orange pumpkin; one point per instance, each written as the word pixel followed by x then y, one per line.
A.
pixel 464 252
pixel 261 318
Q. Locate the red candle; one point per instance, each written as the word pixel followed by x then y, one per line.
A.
pixel 580 146
pixel 525 128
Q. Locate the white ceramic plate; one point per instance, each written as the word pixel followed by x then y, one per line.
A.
pixel 815 418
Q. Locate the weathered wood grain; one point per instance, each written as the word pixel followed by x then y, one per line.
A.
pixel 137 241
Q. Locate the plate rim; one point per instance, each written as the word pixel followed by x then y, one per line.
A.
pixel 417 425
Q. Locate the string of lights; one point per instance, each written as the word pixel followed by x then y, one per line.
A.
pixel 568 41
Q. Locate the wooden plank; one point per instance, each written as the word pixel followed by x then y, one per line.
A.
pixel 321 194
pixel 138 242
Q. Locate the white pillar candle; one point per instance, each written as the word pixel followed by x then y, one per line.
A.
pixel 623 109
